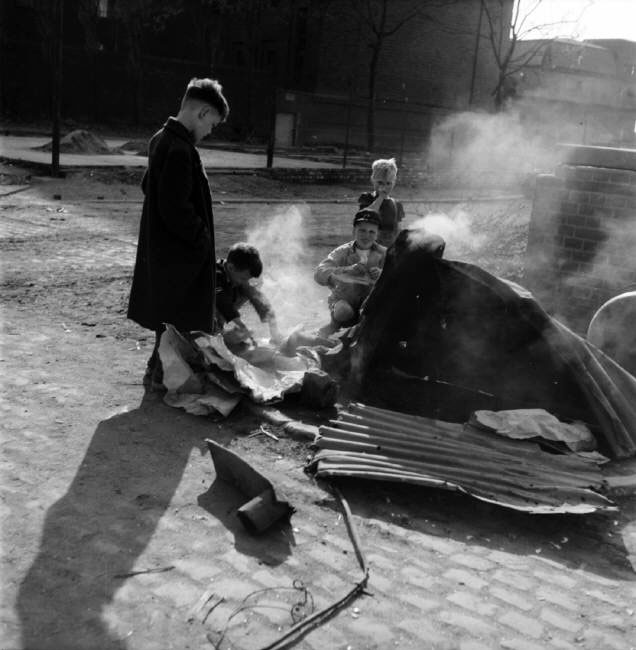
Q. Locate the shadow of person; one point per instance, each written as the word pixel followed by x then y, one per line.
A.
pixel 272 547
pixel 97 530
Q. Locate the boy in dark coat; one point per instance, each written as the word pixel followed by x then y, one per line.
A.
pixel 173 281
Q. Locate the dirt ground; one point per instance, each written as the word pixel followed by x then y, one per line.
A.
pixel 101 479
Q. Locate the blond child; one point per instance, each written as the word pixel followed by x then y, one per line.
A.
pixel 383 177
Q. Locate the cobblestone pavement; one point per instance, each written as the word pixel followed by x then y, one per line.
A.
pixel 101 481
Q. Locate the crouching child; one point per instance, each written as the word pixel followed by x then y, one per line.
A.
pixel 352 269
pixel 235 286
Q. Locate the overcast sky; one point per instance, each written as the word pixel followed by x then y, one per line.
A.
pixel 592 18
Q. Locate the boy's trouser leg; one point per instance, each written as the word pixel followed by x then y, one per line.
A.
pixel 154 369
pixel 343 313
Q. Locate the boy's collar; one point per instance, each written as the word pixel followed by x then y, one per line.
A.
pixel 178 128
pixel 356 247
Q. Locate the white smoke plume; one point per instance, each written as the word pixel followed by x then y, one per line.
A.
pixel 482 148
pixel 611 270
pixel 287 278
pixel 456 229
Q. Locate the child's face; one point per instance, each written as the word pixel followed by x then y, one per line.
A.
pixel 365 234
pixel 382 183
pixel 238 277
pixel 206 119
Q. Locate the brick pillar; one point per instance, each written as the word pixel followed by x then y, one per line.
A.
pixel 582 236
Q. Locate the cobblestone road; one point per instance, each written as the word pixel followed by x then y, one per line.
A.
pixel 100 481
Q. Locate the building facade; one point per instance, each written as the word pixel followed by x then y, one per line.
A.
pixel 303 66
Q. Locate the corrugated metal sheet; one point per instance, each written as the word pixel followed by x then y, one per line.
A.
pixel 374 443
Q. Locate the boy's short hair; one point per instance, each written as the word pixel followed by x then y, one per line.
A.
pixel 386 167
pixel 246 258
pixel 209 91
pixel 366 216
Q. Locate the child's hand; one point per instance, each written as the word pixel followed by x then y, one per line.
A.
pixel 237 332
pixel 356 269
pixel 375 272
pixel 275 337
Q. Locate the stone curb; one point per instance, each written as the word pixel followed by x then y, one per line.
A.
pixel 293 428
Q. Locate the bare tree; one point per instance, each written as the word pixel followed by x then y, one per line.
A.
pixel 138 17
pixel 503 38
pixel 381 20
pixel 207 18
pixel 44 12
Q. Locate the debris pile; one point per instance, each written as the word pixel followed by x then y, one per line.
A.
pixel 373 443
pixel 81 142
pixel 443 339
pixel 204 376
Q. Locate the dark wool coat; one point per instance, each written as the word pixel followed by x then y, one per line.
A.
pixel 174 279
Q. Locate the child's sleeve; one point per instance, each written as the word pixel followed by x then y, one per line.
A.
pixel 225 306
pixel 334 260
pixel 260 303
pixel 365 200
pixel 400 211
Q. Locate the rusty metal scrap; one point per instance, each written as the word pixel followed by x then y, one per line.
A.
pixel 263 508
pixel 373 443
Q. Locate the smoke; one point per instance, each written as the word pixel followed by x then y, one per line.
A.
pixel 493 149
pixel 610 269
pixel 287 279
pixel 456 229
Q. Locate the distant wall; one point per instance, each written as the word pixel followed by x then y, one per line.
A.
pixel 321 119
pixel 582 239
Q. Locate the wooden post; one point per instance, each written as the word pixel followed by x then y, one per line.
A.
pixel 348 127
pixel 272 135
pixel 403 127
pixel 57 87
pixel 473 74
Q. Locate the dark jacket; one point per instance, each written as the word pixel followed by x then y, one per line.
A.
pixel 230 298
pixel 391 214
pixel 173 280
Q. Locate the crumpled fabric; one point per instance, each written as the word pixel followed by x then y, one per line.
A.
pixel 203 376
pixel 263 372
pixel 535 423
pixel 187 388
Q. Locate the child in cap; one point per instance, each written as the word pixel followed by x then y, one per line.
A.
pixel 383 177
pixel 352 269
pixel 235 287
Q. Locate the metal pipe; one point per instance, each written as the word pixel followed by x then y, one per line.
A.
pixel 375 439
pixel 443 473
pixel 449 462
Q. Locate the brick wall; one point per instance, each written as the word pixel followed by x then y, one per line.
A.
pixel 429 60
pixel 582 237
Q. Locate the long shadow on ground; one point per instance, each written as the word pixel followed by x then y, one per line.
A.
pixel 98 529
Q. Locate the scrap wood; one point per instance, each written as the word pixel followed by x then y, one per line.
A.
pixel 205 598
pixel 262 430
pixel 373 443
pixel 470 457
pixel 143 571
pixel 524 500
pixel 294 428
pixel 301 629
pixel 263 508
